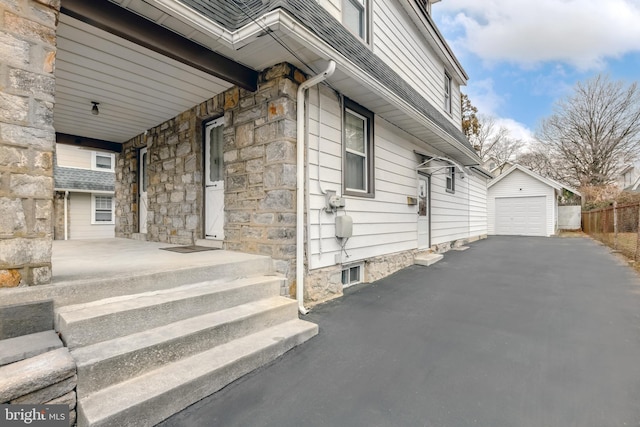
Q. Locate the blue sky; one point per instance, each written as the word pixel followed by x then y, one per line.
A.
pixel 521 55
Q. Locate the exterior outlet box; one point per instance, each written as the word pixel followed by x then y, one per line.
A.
pixel 344 227
pixel 336 202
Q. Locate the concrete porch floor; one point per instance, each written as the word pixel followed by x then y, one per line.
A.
pixel 87 259
pixel 86 270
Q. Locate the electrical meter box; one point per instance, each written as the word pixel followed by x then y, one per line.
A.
pixel 344 226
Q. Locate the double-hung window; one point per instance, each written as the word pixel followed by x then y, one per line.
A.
pixel 451 179
pixel 447 93
pixel 354 17
pixel 102 209
pixel 358 150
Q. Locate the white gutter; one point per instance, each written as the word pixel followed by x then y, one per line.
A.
pixel 300 181
pixel 66 224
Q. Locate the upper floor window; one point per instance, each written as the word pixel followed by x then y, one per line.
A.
pixel 426 5
pixel 358 150
pixel 447 92
pixel 102 161
pixel 451 179
pixel 354 17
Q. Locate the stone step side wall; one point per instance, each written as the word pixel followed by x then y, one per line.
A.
pixel 27 137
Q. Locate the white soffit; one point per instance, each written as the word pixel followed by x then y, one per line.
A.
pixel 137 88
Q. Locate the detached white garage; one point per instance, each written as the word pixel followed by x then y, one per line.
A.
pixel 523 203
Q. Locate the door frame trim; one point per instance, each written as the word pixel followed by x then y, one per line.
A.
pixel 428 177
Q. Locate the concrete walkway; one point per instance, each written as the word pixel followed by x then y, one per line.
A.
pixel 535 332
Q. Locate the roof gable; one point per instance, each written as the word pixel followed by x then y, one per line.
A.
pixel 550 182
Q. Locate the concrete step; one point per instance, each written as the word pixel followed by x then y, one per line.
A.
pixel 427 259
pixel 224 265
pixel 109 362
pixel 156 395
pixel 20 348
pixel 89 323
pixel 209 243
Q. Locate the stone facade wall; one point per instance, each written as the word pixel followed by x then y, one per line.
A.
pixel 27 137
pixel 58 215
pixel 325 284
pixel 260 171
pixel 175 188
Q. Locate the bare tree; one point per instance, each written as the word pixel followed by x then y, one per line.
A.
pixel 594 131
pixel 537 159
pixel 493 142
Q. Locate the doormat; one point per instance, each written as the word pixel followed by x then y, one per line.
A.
pixel 189 249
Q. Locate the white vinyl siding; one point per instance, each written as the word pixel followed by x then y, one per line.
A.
pixel 69 156
pixel 449 211
pixel 477 205
pixel 386 223
pixel 519 184
pixel 400 44
pixel 80 218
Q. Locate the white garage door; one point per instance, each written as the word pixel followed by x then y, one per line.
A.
pixel 523 216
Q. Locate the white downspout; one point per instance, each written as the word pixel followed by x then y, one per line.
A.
pixel 300 181
pixel 66 223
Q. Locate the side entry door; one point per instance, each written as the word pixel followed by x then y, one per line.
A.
pixel 214 180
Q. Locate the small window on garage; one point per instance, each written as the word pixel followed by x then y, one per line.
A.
pixel 352 275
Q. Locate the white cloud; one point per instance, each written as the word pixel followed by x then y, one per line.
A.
pixel 484 97
pixel 582 33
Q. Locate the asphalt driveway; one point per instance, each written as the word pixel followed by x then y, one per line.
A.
pixel 538 332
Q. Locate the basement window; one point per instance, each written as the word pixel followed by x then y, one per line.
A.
pixel 351 275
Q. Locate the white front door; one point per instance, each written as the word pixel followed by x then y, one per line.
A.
pixel 214 180
pixel 143 181
pixel 423 212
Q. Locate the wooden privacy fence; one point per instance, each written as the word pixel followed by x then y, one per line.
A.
pixel 616 227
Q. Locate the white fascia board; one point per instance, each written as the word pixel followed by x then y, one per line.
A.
pixel 76 190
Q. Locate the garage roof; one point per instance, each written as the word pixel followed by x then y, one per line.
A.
pixel 550 182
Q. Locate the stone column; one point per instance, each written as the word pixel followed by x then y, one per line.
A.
pixel 27 139
pixel 260 166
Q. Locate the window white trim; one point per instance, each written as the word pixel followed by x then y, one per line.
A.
pixel 97 161
pixel 447 92
pixel 451 179
pixel 352 274
pixel 355 110
pixel 99 205
pixel 363 7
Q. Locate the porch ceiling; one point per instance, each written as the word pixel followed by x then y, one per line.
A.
pixel 137 88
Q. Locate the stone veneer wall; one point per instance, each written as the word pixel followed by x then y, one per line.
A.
pixel 260 171
pixel 27 138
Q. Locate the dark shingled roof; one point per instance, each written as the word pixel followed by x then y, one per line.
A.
pixel 83 179
pixel 233 14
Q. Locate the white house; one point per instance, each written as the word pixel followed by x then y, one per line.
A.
pixel 521 202
pixel 84 186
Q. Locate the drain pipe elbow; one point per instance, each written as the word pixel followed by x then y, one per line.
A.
pixel 300 150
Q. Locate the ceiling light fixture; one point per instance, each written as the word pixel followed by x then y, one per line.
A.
pixel 94 109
